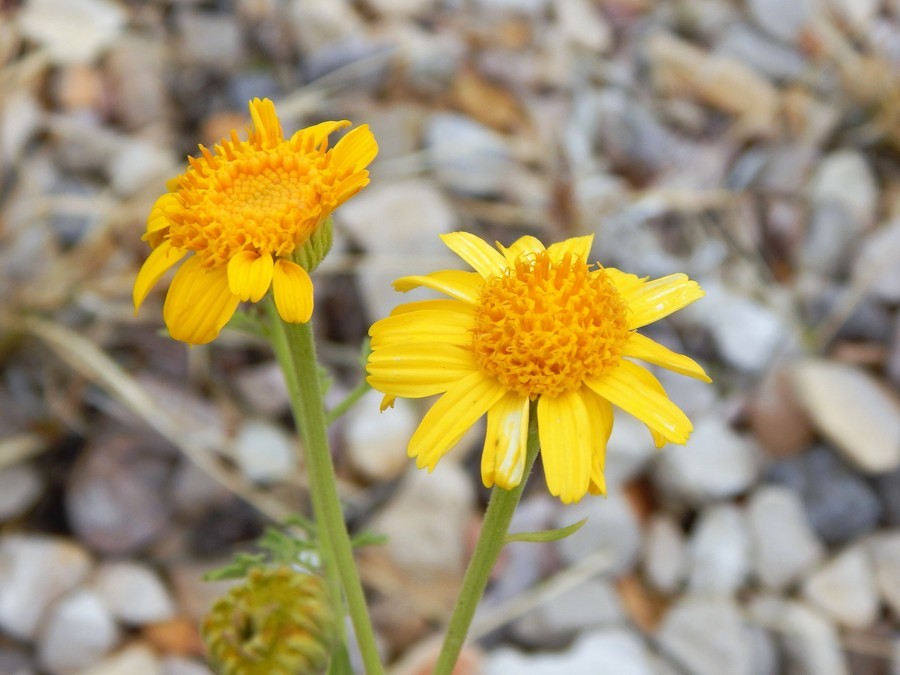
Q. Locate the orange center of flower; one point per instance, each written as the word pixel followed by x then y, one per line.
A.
pixel 267 200
pixel 543 328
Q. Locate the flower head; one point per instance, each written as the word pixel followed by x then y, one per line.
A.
pixel 245 211
pixel 532 325
pixel 277 622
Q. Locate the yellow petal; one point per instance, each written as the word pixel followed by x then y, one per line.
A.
pixel 600 415
pixel 157 263
pixel 312 137
pixel 520 247
pixel 425 326
pixel 199 303
pixel 415 371
pixel 465 286
pixel 506 441
pixel 443 304
pixel 564 427
pixel 643 348
pixel 653 300
pixel 266 127
pixel 250 275
pixel 579 247
pixel 483 258
pixel 293 291
pixel 158 220
pixel 636 391
pixel 355 151
pixel 453 414
pixel 625 282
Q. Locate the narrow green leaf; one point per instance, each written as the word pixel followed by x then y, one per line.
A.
pixel 547 535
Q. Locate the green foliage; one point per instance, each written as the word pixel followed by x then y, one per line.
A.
pixel 547 535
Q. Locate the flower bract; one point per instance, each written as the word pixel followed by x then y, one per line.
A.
pixel 241 213
pixel 532 329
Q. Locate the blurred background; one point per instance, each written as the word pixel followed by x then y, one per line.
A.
pixel 752 144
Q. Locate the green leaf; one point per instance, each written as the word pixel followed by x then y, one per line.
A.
pixel 367 538
pixel 238 568
pixel 547 535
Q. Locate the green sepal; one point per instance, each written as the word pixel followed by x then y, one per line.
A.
pixel 547 535
pixel 310 254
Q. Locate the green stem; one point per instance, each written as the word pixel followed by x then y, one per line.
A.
pixel 490 542
pixel 296 352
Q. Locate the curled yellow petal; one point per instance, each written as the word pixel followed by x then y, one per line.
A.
pixel 199 303
pixel 250 275
pixel 505 443
pixel 484 258
pixel 293 291
pixel 157 263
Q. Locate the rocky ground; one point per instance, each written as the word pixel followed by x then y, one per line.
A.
pixel 750 144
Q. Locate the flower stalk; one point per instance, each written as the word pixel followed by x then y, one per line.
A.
pixel 490 543
pixel 295 350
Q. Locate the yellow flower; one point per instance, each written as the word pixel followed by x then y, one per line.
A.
pixel 532 324
pixel 243 210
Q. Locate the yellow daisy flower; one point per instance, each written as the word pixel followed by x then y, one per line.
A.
pixel 532 324
pixel 243 210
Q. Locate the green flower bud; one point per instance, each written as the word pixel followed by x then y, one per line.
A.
pixel 277 622
pixel 316 247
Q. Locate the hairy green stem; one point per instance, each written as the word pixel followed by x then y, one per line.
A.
pixel 358 392
pixel 499 513
pixel 296 352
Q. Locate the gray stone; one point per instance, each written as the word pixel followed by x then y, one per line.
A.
pixel 784 545
pixel 885 552
pixel 747 333
pixel 611 526
pixel 426 521
pixel 591 605
pixel 52 25
pixel 809 640
pixel 714 464
pixel 768 57
pixel 411 215
pixel 79 632
pixel 264 451
pixel 376 441
pixel 211 40
pixel 665 555
pixel 629 451
pixel 784 20
pixel 34 572
pixel 719 551
pixel 707 637
pixel 262 387
pixel 844 588
pixel 136 659
pixel 839 504
pixel 878 265
pixel 850 407
pixel 888 486
pixel 844 195
pixel 133 593
pixel 618 650
pixel 466 156
pixel 178 665
pixel 20 487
